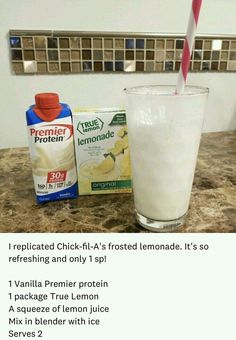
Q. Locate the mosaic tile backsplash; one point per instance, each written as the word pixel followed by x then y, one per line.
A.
pixel 53 52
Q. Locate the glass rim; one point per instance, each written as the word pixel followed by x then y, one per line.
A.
pixel 161 90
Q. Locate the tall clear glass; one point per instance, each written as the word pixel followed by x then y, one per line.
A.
pixel 164 137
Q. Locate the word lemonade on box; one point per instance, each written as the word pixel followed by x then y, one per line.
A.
pixel 51 144
pixel 102 151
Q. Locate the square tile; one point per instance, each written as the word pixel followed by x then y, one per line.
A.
pixel 52 55
pixel 129 43
pixel 27 42
pixel 28 54
pixel 197 55
pixel 86 54
pixel 97 55
pixel 198 44
pixel 39 42
pixel 150 55
pixel 207 45
pixel 75 42
pixel 86 43
pixel 53 67
pixel 87 66
pixel 223 66
pixel 159 67
pixel 41 55
pixel 64 43
pixel 129 55
pixel 160 55
pixel 75 54
pixel 233 44
pixel 65 55
pixel 119 43
pixel 108 43
pixel 139 43
pixel 206 66
pixel 119 55
pixel 75 67
pixel 65 67
pixel 232 55
pixel 108 66
pixel 150 66
pixel 169 55
pixel 196 66
pixel 150 44
pixel 18 68
pixel 129 66
pixel 30 66
pixel 224 55
pixel 140 55
pixel 178 54
pixel 231 66
pixel 215 55
pixel 179 44
pixel 15 42
pixel 119 66
pixel 16 54
pixel 177 65
pixel 52 43
pixel 169 65
pixel 108 55
pixel 170 44
pixel 98 66
pixel 214 66
pixel 97 42
pixel 160 44
pixel 216 45
pixel 225 45
pixel 207 55
pixel 42 68
pixel 139 66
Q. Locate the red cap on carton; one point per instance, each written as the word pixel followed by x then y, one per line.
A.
pixel 47 106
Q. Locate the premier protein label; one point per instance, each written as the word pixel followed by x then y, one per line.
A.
pixel 51 133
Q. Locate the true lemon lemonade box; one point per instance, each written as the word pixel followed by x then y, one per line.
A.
pixel 102 151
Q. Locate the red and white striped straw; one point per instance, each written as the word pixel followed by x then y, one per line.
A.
pixel 188 45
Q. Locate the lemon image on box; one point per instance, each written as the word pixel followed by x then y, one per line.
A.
pixel 102 151
pixel 106 165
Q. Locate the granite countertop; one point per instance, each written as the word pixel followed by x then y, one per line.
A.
pixel 212 207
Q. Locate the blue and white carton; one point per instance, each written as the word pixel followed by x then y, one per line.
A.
pixel 51 143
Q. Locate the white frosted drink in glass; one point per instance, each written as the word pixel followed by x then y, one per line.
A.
pixel 164 136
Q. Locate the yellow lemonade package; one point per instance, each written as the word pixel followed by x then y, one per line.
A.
pixel 102 151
